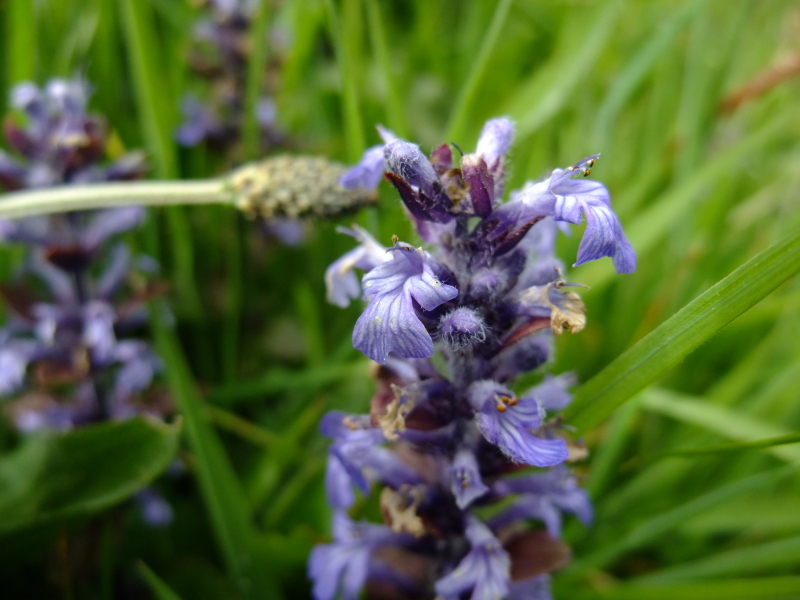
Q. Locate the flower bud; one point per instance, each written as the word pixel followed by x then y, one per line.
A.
pixel 408 162
pixel 462 328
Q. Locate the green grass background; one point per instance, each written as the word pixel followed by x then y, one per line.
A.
pixel 257 355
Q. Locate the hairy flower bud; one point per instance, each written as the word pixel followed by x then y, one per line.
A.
pixel 410 164
pixel 462 329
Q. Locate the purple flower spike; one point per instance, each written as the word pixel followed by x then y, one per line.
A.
pixel 441 435
pixel 368 173
pixel 340 280
pixel 390 323
pixel 465 479
pixel 110 222
pixel 354 440
pixel 198 123
pixel 485 570
pixel 507 422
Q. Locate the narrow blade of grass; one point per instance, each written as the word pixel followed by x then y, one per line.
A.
pixel 724 421
pixel 609 454
pixel 637 69
pixel 20 34
pixel 224 499
pixel 654 223
pixel 255 80
pixel 278 380
pixel 353 126
pixel 767 588
pixel 156 107
pixel 469 90
pixel 394 100
pixel 655 527
pixel 157 586
pixel 750 559
pixel 548 91
pixel 651 357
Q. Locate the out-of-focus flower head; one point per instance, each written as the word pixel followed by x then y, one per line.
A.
pixel 219 55
pixel 57 140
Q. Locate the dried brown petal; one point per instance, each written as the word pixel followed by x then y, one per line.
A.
pixel 571 315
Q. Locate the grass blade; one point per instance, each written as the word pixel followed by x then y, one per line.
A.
pixel 20 34
pixel 768 588
pixel 751 559
pixel 657 526
pixel 160 589
pixel 225 500
pixel 394 101
pixel 251 135
pixel 547 92
pixel 654 223
pixel 636 71
pixel 726 422
pixel 468 92
pixel 651 357
pixel 156 108
pixel 353 126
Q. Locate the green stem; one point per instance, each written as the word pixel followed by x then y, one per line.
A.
pixel 104 195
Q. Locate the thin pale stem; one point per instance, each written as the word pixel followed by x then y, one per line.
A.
pixel 104 195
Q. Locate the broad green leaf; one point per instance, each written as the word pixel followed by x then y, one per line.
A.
pixel 53 476
pixel 768 588
pixel 651 357
pixel 160 589
pixel 725 421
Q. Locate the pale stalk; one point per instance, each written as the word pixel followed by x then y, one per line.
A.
pixel 280 186
pixel 43 201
